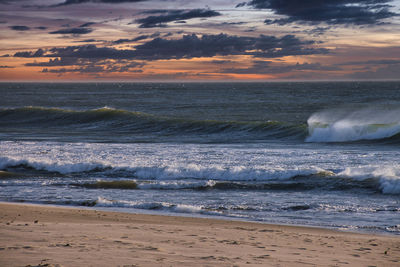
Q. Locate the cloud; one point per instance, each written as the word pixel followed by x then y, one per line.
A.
pixel 74 2
pixel 38 53
pixel 19 28
pixel 89 41
pixel 67 61
pixel 175 15
pixel 221 62
pixel 73 31
pixel 242 4
pixel 316 31
pixel 391 71
pixel 233 23
pixel 357 12
pixel 140 37
pixel 6 67
pixel 269 67
pixel 6 2
pixel 41 28
pixel 92 51
pixel 87 24
pixel 190 46
pixel 372 62
pixel 97 66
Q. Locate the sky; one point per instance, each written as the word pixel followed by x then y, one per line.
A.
pixel 182 40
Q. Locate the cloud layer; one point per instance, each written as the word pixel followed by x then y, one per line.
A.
pixel 190 46
pixel 74 2
pixel 174 15
pixel 160 39
pixel 358 12
pixel 73 31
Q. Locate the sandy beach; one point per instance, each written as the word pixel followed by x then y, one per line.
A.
pixel 34 235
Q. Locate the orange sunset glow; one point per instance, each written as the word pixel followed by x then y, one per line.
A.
pixel 179 40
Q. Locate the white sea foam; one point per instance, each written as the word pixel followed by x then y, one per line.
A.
pixel 171 184
pixel 176 166
pixel 344 125
pixel 235 173
pixel 51 166
pixel 388 176
pixel 180 208
pixel 176 176
pixel 192 171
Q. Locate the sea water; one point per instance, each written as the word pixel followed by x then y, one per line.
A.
pixel 319 154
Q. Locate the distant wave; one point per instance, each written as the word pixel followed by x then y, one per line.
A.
pixel 347 125
pixel 384 179
pixel 130 123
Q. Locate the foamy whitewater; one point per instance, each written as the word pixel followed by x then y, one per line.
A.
pixel 318 154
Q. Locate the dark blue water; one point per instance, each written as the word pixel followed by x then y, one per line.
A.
pixel 321 154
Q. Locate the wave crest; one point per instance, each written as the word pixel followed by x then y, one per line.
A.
pixel 347 125
pixel 131 124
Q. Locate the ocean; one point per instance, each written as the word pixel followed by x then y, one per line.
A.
pixel 323 154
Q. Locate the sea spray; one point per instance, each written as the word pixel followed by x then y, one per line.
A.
pixel 348 124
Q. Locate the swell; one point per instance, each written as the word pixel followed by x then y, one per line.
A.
pixel 129 123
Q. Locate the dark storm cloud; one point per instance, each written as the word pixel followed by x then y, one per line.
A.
pixel 19 28
pixel 168 34
pixel 268 67
pixel 316 31
pixel 92 51
pixel 175 15
pixel 89 41
pixel 6 2
pixel 68 61
pixel 156 11
pixel 242 4
pixel 358 12
pixel 74 2
pixel 140 37
pixel 38 53
pixel 190 46
pixel 87 24
pixel 73 31
pixel 233 23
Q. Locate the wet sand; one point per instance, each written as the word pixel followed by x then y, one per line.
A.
pixel 37 235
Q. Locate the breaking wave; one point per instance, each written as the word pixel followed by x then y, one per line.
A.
pixel 347 125
pixel 191 171
pixel 384 179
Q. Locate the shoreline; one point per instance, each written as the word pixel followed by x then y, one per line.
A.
pixel 36 235
pixel 146 212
